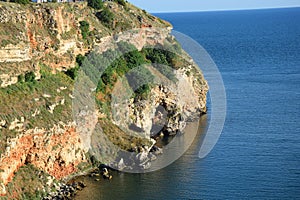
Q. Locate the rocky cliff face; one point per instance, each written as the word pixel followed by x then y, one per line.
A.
pixel 169 104
pixel 51 34
pixel 38 43
pixel 57 152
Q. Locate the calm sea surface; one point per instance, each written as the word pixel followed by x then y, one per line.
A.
pixel 258 153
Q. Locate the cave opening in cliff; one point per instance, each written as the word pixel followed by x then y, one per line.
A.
pixel 159 123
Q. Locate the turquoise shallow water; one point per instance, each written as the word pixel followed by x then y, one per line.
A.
pixel 258 153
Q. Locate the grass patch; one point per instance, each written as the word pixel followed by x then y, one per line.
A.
pixel 120 138
pixel 25 99
pixel 28 183
pixel 68 34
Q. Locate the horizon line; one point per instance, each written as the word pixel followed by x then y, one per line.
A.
pixel 222 10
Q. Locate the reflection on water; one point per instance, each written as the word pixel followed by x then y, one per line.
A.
pixel 137 186
pixel 180 143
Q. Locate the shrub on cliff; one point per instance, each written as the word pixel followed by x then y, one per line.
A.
pixel 121 2
pixel 80 59
pixel 134 59
pixel 84 27
pixel 163 61
pixel 96 4
pixel 72 73
pixel 106 17
pixel 29 77
pixel 21 78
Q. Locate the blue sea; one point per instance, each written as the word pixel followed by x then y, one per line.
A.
pixel 258 154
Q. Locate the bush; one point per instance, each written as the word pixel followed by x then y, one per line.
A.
pixel 134 59
pixel 79 59
pixel 143 92
pixel 29 77
pixel 72 73
pixel 21 78
pixel 156 56
pixel 121 2
pixel 84 27
pixel 163 61
pixel 105 16
pixel 96 4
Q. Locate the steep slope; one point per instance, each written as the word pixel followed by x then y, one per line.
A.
pixel 40 46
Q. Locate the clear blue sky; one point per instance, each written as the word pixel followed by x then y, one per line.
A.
pixel 205 5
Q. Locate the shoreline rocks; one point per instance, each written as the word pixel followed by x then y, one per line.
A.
pixel 106 174
pixel 65 191
pixel 138 160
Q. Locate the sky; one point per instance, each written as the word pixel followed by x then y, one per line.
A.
pixel 209 5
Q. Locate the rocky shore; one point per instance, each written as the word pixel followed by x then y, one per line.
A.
pixel 137 161
pixel 65 191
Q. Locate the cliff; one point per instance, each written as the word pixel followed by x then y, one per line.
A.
pixel 40 46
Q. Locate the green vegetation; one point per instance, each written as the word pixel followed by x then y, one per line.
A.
pixel 21 78
pixel 162 60
pixel 96 4
pixel 73 72
pixel 105 69
pixel 138 79
pixel 30 77
pixel 121 2
pixel 5 42
pixel 120 138
pixel 27 97
pixel 21 1
pixel 69 34
pixel 84 27
pixel 34 179
pixel 5 32
pixel 80 59
pixel 106 16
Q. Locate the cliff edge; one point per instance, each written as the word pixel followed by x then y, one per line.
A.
pixel 44 48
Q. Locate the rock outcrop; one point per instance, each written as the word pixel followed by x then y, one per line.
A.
pixel 57 152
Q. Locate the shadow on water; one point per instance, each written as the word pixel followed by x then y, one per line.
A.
pixel 153 184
